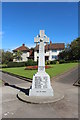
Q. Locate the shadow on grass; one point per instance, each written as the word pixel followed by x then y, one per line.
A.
pixel 26 91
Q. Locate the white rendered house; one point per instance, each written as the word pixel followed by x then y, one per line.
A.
pixel 52 51
pixel 25 53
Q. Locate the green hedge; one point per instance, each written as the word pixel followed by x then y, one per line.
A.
pixel 48 62
pixel 53 62
pixel 16 64
pixel 22 64
pixel 62 61
pixel 33 63
pixel 67 61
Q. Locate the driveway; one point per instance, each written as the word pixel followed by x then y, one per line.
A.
pixel 65 108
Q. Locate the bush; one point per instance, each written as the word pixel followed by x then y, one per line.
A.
pixel 45 62
pixel 62 61
pixel 48 62
pixel 31 63
pixel 73 61
pixel 57 62
pixel 3 66
pixel 22 64
pixel 67 61
pixel 53 62
pixel 16 64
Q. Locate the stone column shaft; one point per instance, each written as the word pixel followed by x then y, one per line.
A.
pixel 41 62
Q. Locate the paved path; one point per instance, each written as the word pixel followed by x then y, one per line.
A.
pixel 66 108
pixel 11 79
pixel 69 76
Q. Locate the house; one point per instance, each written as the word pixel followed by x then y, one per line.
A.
pixel 52 51
pixel 25 53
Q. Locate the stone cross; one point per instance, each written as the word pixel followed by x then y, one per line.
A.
pixel 41 38
pixel 41 80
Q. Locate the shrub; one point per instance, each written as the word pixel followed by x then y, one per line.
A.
pixel 22 64
pixel 31 63
pixel 16 64
pixel 53 62
pixel 3 66
pixel 62 61
pixel 73 61
pixel 67 61
pixel 48 62
pixel 45 62
pixel 57 62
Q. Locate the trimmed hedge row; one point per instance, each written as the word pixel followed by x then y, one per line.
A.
pixel 50 62
pixel 22 64
pixel 60 62
pixel 16 64
pixel 33 63
pixel 53 62
pixel 67 61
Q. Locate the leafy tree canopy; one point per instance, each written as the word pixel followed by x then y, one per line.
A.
pixel 71 51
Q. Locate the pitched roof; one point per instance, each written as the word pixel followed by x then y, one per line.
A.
pixel 52 46
pixel 22 48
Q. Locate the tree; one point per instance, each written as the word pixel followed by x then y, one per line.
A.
pixel 72 51
pixel 17 55
pixel 7 56
pixel 75 47
pixel 0 55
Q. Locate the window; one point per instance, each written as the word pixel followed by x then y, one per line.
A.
pixel 54 57
pixel 37 51
pixel 54 50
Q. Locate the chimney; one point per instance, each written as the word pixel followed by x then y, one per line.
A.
pixel 23 44
pixel 50 42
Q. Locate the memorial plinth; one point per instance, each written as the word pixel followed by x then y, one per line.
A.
pixel 41 85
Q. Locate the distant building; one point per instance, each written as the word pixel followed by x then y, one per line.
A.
pixel 52 51
pixel 26 53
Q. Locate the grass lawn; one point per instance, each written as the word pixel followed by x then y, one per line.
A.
pixel 55 70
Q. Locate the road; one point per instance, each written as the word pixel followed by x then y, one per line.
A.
pixel 65 108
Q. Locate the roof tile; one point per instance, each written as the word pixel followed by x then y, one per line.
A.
pixel 21 48
pixel 51 46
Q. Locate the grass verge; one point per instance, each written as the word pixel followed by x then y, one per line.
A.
pixel 54 71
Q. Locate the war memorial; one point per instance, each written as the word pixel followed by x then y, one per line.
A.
pixel 41 90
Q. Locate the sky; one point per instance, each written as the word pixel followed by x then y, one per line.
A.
pixel 21 22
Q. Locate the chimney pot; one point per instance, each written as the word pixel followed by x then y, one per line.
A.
pixel 50 42
pixel 23 44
